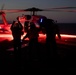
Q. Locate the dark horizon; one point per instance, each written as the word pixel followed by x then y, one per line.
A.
pixel 67 28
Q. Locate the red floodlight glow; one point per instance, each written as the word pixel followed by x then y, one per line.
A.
pixel 9 36
pixel 68 36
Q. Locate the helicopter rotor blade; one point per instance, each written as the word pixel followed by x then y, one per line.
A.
pixel 33 9
pixel 62 8
pixel 65 10
pixel 12 10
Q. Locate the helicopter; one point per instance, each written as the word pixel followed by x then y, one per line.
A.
pixel 34 17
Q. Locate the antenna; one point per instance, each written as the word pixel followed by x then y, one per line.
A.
pixel 2 13
pixel 2 7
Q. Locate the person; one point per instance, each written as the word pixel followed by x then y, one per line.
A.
pixel 16 29
pixel 32 34
pixel 51 29
pixel 27 23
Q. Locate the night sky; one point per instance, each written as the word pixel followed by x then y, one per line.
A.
pixel 61 17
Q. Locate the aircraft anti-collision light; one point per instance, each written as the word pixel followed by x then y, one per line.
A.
pixel 41 20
